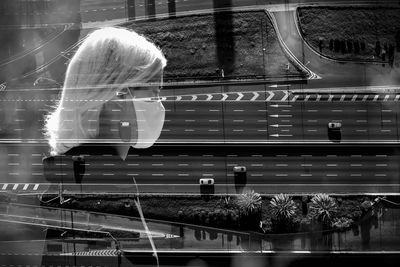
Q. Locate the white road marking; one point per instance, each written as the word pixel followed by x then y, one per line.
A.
pixel 35 187
pixel 25 187
pixel 4 187
pixel 15 186
pixel 285 97
pixel 271 95
pixel 256 95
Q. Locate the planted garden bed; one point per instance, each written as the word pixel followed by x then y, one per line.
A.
pixel 250 211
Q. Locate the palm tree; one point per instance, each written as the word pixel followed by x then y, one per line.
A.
pixel 249 202
pixel 283 208
pixel 323 209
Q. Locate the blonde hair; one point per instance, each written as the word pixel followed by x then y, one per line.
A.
pixel 108 60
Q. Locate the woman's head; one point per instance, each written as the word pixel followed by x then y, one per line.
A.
pixel 108 60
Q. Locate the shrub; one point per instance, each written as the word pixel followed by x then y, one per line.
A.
pixel 343 46
pixel 378 48
pixel 323 209
pixel 342 223
pixel 362 44
pixel 349 46
pixel 356 47
pixel 337 45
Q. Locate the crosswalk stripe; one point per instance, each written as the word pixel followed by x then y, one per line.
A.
pixel 25 187
pixel 15 186
pixel 35 187
pixel 4 187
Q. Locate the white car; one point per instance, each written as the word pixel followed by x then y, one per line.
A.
pixel 239 169
pixel 334 126
pixel 206 181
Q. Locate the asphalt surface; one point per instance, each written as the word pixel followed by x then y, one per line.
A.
pixel 165 169
pixel 278 118
pixel 235 117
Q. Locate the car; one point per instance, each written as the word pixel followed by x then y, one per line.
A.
pixel 209 181
pixel 334 126
pixel 239 169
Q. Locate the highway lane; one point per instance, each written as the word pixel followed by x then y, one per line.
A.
pixel 234 117
pixel 322 168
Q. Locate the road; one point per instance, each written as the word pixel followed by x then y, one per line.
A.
pixel 269 169
pixel 236 117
